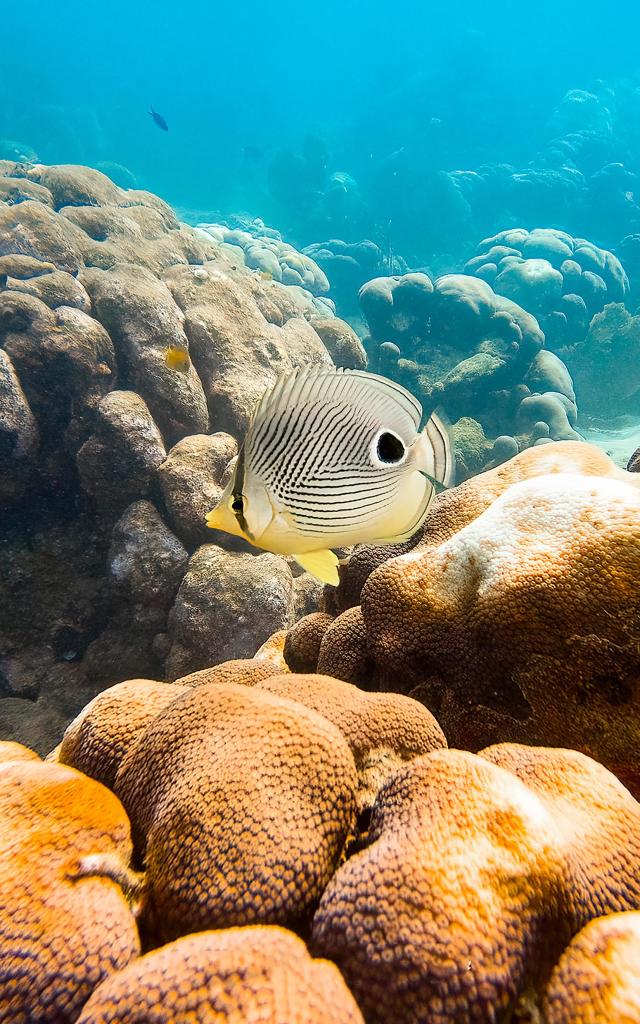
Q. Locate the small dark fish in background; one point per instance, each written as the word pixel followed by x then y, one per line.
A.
pixel 252 153
pixel 159 120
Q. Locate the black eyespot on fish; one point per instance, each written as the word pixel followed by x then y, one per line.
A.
pixel 237 505
pixel 390 448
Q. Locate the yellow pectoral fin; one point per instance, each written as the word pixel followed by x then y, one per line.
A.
pixel 321 564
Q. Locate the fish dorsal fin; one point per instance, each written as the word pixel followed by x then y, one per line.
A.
pixel 321 564
pixel 395 407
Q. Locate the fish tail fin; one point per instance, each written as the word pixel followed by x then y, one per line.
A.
pixel 434 451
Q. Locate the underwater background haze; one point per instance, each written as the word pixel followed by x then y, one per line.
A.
pixel 264 102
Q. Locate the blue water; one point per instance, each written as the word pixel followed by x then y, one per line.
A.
pixel 389 94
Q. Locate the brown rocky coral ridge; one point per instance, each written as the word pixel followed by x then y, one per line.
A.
pixel 259 975
pixel 96 281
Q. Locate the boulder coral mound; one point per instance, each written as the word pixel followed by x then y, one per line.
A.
pixel 349 265
pixel 476 872
pixel 241 803
pixel 65 890
pixel 383 730
pixel 479 354
pixel 445 885
pixel 562 280
pixel 97 740
pixel 516 616
pixel 596 978
pixel 274 259
pixel 259 975
pixel 605 365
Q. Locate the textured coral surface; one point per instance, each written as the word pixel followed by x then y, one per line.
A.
pixel 236 748
pixel 65 923
pixel 596 978
pixel 476 873
pixel 515 616
pixel 241 803
pixel 110 459
pixel 259 975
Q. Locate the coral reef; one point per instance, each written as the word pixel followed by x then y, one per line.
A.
pixel 514 615
pixel 604 366
pixel 383 730
pixel 407 919
pixel 562 281
pixel 349 265
pixel 109 458
pixel 412 797
pixel 260 975
pixel 477 353
pixel 96 741
pixel 65 887
pixel 194 785
pixel 275 259
pixel 313 201
pixel 628 252
pixel 596 978
pixel 243 800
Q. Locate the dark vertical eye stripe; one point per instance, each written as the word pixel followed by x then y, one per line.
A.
pixel 238 485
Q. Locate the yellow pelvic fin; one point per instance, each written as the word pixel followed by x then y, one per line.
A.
pixel 321 564
pixel 222 518
pixel 215 518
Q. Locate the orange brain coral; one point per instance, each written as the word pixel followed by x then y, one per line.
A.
pixel 473 881
pixel 12 751
pixel 64 921
pixel 259 975
pixel 242 802
pixel 97 740
pixel 529 617
pixel 303 640
pixel 455 508
pixel 382 729
pixel 245 671
pixel 596 980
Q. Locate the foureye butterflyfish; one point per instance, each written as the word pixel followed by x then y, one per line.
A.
pixel 333 458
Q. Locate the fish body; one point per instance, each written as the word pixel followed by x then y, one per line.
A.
pixel 159 120
pixel 177 359
pixel 333 458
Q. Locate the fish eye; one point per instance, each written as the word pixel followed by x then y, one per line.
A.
pixel 237 505
pixel 390 448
